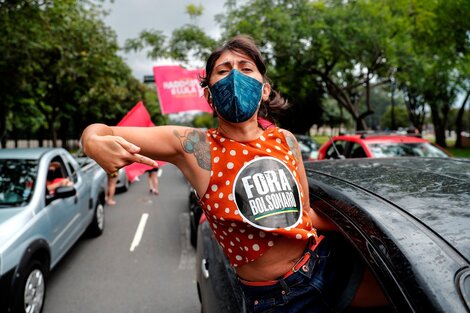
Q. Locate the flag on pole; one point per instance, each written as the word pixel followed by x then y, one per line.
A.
pixel 138 116
pixel 179 90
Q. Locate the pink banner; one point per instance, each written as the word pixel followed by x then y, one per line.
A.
pixel 178 89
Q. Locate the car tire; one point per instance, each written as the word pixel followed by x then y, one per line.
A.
pixel 96 226
pixel 31 290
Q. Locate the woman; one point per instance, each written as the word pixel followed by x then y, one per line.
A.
pixel 252 186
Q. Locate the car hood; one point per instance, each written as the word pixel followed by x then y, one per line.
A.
pixel 434 191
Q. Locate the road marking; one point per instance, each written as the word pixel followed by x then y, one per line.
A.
pixel 139 231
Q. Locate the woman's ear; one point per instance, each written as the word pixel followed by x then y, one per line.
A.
pixel 266 92
pixel 207 95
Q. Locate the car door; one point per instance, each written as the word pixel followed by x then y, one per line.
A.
pixel 63 215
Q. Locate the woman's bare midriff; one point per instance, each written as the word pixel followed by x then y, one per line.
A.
pixel 275 262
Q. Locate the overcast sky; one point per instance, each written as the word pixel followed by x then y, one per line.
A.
pixel 129 17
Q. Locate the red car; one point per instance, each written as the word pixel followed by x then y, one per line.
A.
pixel 378 146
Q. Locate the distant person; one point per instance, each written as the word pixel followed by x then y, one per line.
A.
pixel 55 178
pixel 112 181
pixel 153 180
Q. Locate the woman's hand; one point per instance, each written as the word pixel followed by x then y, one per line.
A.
pixel 112 152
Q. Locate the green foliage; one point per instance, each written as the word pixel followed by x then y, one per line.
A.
pixel 401 118
pixel 66 71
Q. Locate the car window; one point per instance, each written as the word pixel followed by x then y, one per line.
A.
pixel 424 149
pixel 17 178
pixel 339 147
pixel 358 151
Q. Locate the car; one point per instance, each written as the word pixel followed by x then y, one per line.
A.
pixel 122 184
pixel 39 224
pixel 195 213
pixel 308 147
pixel 408 218
pixel 378 145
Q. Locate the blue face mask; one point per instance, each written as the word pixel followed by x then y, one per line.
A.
pixel 236 97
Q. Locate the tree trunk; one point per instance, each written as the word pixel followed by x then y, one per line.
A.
pixel 459 122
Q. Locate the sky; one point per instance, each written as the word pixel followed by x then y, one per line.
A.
pixel 129 17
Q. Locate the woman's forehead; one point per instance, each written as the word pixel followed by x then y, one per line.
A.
pixel 231 57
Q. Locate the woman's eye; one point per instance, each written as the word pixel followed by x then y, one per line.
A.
pixel 221 72
pixel 247 70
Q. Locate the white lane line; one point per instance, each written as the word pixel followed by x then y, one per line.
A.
pixel 139 231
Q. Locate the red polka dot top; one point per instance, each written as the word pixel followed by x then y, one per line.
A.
pixel 254 195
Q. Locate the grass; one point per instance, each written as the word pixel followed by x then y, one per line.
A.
pixel 458 153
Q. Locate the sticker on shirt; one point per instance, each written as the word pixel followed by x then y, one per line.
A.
pixel 267 194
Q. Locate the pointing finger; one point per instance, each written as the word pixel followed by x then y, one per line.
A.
pixel 145 160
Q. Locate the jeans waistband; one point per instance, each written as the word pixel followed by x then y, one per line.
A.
pixel 302 261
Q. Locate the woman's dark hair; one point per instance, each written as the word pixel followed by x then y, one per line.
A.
pixel 244 44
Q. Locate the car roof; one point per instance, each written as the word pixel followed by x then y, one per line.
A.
pixel 434 191
pixel 381 138
pixel 24 153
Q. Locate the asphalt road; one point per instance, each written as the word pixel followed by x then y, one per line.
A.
pixel 117 272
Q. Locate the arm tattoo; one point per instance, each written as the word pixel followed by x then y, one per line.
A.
pixel 195 142
pixel 294 147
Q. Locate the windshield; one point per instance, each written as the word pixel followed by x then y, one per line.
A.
pixel 395 149
pixel 17 178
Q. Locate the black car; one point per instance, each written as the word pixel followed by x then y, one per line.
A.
pixel 409 218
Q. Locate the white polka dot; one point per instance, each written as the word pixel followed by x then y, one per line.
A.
pixel 207 196
pixel 215 148
pixel 229 250
pixel 230 229
pixel 214 225
pixel 270 243
pixel 235 265
pixel 216 159
pixel 262 234
pixel 232 244
pixel 227 210
pixel 245 152
pixel 277 148
pixel 233 225
pixel 220 174
pixel 225 233
pixel 221 195
pixel 216 205
pixel 237 239
pixel 246 248
pixel 289 153
pixel 286 157
pixel 227 182
pixel 256 247
pixel 278 140
pixel 298 236
pixel 209 208
pixel 223 150
pixel 238 257
pixel 242 230
pixel 222 139
pixel 233 152
pixel 268 150
pixel 250 236
pixel 262 138
pixel 230 165
pixel 230 197
pixel 221 237
pixel 214 188
pixel 258 145
pixel 236 212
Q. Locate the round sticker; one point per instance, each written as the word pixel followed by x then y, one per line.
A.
pixel 267 194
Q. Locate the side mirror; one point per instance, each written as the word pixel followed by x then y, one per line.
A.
pixel 65 192
pixel 61 193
